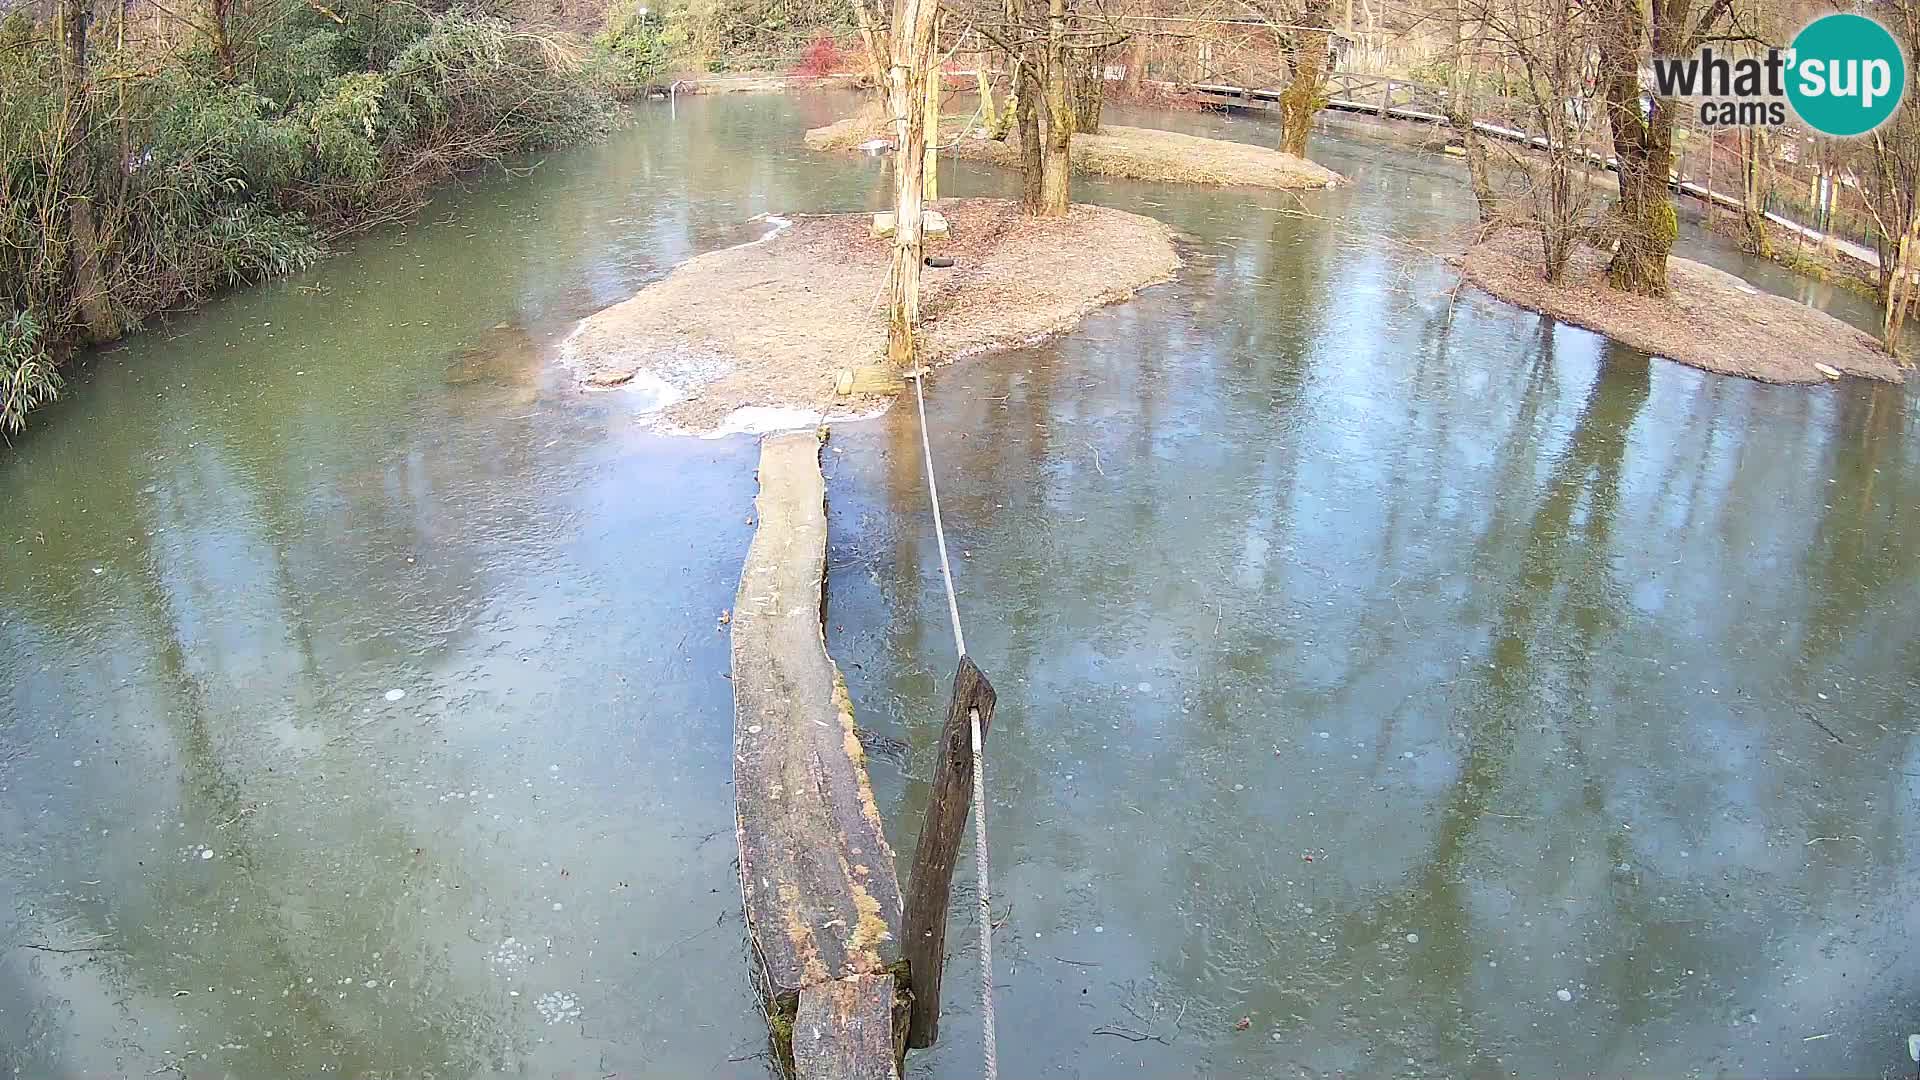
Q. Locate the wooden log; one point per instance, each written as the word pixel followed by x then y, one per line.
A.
pixel 816 874
pixel 930 880
pixel 844 1030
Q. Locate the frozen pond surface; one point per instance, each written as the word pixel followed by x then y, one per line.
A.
pixel 1440 696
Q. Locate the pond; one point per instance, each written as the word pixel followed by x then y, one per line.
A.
pixel 1391 681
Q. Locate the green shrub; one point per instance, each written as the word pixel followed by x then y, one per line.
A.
pixel 305 59
pixel 485 89
pixel 346 131
pixel 188 181
pixel 27 377
pixel 633 52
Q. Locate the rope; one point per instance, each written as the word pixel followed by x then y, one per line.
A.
pixel 981 866
pixel 940 532
pixel 987 1036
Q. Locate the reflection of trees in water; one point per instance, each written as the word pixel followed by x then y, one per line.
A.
pixel 1560 606
pixel 263 534
pixel 1561 584
pixel 304 888
pixel 1866 536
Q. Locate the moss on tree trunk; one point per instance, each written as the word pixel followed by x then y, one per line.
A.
pixel 1306 87
pixel 1057 168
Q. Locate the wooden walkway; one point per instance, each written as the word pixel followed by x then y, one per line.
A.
pixel 1400 99
pixel 817 876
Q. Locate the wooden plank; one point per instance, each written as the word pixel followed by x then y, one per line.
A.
pixel 844 1030
pixel 929 884
pixel 816 874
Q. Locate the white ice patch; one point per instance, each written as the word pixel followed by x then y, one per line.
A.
pixel 654 392
pixel 510 957
pixel 759 419
pixel 779 224
pixel 556 1007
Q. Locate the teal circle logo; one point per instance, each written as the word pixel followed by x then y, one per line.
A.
pixel 1846 75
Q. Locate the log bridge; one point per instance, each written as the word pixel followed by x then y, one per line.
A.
pixel 849 970
pixel 817 878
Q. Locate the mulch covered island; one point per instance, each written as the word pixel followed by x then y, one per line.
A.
pixel 1709 318
pixel 770 324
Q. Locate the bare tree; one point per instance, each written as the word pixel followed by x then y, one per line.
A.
pixel 876 48
pixel 1754 143
pixel 1549 44
pixel 89 289
pixel 912 56
pixel 1890 183
pixel 1049 50
pixel 1462 93
pixel 1309 42
pixel 1630 34
pixel 1087 85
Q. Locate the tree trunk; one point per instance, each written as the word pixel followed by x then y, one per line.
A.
pixel 1023 105
pixel 89 294
pixel 1026 108
pixel 220 39
pixel 1753 218
pixel 1306 88
pixel 1900 287
pixel 932 119
pixel 875 46
pixel 1827 184
pixel 913 22
pixel 1643 148
pixel 1136 65
pixel 989 115
pixel 1462 112
pixel 1057 166
pixel 1087 89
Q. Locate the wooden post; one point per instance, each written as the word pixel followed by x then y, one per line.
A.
pixel 925 927
pixel 1386 98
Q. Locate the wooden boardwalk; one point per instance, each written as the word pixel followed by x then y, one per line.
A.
pixel 817 876
pixel 1401 99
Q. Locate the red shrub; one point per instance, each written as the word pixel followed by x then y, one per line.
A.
pixel 823 57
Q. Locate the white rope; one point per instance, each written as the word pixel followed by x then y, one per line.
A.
pixel 981 866
pixel 939 530
pixel 987 1036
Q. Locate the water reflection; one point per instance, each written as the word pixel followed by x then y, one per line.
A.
pixel 1376 663
pixel 1380 663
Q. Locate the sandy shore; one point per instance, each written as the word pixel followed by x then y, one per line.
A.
pixel 755 335
pixel 1710 319
pixel 1134 153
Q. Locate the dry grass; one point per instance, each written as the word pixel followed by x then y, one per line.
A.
pixel 1130 152
pixel 771 323
pixel 1710 319
pixel 765 82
